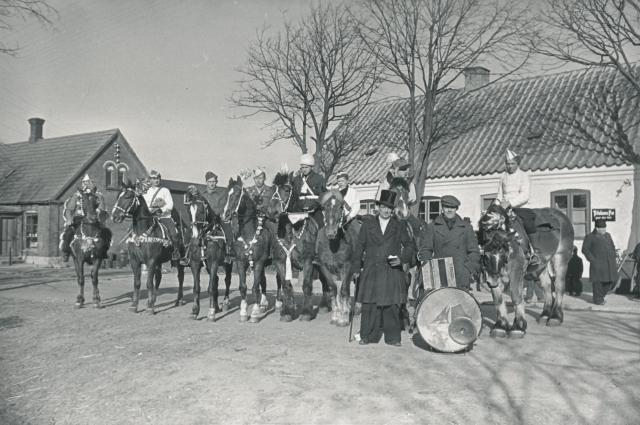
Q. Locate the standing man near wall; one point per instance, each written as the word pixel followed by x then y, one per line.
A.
pixel 600 251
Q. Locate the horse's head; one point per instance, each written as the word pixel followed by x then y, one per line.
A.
pixel 236 199
pixel 126 202
pixel 202 215
pixel 496 242
pixel 281 200
pixel 495 218
pixel 333 211
pixel 401 187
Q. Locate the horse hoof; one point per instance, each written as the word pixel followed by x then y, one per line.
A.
pixel 150 311
pixel 225 307
pixel 543 319
pixel 179 303
pixel 333 322
pixel 286 318
pixel 554 322
pixel 278 305
pixel 323 309
pixel 77 305
pixel 193 316
pixel 254 319
pixel 516 334
pixel 133 308
pixel 244 318
pixel 342 323
pixel 498 333
pixel 262 309
pixel 305 317
pixel 97 305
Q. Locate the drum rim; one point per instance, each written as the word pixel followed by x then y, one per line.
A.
pixel 459 289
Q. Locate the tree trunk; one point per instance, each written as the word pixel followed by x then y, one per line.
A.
pixel 634 234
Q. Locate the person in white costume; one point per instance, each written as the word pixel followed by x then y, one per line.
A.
pixel 351 201
pixel 160 204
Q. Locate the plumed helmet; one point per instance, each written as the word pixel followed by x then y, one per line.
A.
pixel 512 156
pixel 307 159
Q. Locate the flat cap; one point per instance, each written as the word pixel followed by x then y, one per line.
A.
pixel 450 201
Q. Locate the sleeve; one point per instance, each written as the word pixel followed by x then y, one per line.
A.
pixel 353 202
pixel 323 186
pixel 586 248
pixel 168 200
pixel 472 261
pixel 523 196
pixel 425 244
pixel 358 249
pixel 68 209
pixel 412 193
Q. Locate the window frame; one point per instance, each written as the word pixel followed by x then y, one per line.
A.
pixel 570 193
pixel 29 236
pixel 426 201
pixel 369 206
pixel 486 196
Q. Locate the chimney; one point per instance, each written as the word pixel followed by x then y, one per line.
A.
pixel 475 77
pixel 36 129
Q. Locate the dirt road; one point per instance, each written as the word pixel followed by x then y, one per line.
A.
pixel 110 366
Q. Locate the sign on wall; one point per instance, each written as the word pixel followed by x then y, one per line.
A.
pixel 607 214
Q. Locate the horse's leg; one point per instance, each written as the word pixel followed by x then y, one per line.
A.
pixel 307 289
pixel 136 267
pixel 242 277
pixel 264 301
pixel 228 271
pixel 195 271
pixel 78 263
pixel 516 279
pixel 327 284
pixel 559 262
pixel 279 280
pixel 94 281
pixel 329 288
pixel 545 283
pixel 501 327
pixel 152 269
pixel 287 305
pixel 258 272
pixel 180 299
pixel 344 306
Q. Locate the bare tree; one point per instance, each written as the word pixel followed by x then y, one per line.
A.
pixel 309 77
pixel 12 11
pixel 604 33
pixel 426 45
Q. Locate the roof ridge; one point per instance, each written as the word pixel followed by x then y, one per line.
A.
pixel 53 139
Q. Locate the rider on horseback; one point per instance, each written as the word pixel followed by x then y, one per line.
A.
pixel 217 199
pixel 513 193
pixel 307 187
pixel 73 213
pixel 260 193
pixel 351 202
pixel 160 204
pixel 399 168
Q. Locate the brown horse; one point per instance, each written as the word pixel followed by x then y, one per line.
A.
pixel 148 244
pixel 505 263
pixel 207 244
pixel 251 247
pixel 335 244
pixel 295 247
pixel 89 245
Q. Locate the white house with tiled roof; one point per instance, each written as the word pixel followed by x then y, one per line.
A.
pixel 579 179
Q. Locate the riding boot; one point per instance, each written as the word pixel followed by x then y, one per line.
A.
pixel 534 258
pixel 65 247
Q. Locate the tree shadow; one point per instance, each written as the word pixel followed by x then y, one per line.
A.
pixel 10 322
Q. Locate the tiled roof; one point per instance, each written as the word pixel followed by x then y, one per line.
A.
pixel 478 127
pixel 40 171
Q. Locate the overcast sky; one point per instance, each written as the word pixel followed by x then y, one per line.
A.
pixel 161 71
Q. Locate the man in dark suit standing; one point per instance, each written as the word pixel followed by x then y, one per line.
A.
pixel 599 250
pixel 451 236
pixel 386 246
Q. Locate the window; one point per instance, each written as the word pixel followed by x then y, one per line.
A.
pixel 487 199
pixel 115 174
pixel 576 205
pixel 122 175
pixel 31 230
pixel 368 206
pixel 109 173
pixel 430 208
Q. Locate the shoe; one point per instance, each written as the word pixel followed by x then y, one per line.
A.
pixel 395 344
pixel 363 342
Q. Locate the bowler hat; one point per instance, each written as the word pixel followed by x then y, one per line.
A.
pixel 601 223
pixel 450 201
pixel 388 198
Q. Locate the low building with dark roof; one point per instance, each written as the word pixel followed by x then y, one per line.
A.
pixel 529 116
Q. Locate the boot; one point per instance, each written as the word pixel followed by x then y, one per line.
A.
pixel 534 258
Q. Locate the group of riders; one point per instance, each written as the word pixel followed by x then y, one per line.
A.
pixel 307 188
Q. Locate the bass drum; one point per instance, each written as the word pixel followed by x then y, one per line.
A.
pixel 449 319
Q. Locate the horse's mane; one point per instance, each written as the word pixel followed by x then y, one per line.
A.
pixel 496 238
pixel 329 195
pixel 282 179
pixel 399 182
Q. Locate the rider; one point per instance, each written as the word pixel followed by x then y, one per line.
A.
pixel 73 213
pixel 399 168
pixel 351 202
pixel 217 199
pixel 307 188
pixel 513 194
pixel 160 204
pixel 261 193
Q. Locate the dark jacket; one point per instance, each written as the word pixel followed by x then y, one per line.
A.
pixel 217 199
pixel 261 196
pixel 460 243
pixel 317 185
pixel 379 282
pixel 601 253
pixel 575 267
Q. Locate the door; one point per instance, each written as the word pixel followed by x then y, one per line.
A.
pixel 9 236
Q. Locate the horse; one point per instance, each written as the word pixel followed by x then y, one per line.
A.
pixel 148 244
pixel 505 263
pixel 251 247
pixel 295 247
pixel 207 244
pixel 335 244
pixel 89 245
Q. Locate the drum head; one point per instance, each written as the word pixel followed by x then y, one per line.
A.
pixel 449 319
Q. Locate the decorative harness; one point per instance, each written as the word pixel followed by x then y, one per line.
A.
pixel 246 246
pixel 145 237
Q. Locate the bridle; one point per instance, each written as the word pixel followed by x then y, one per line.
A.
pixel 340 219
pixel 134 203
pixel 226 205
pixel 276 196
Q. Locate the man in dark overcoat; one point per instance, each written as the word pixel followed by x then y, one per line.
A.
pixel 386 246
pixel 599 250
pixel 451 236
pixel 307 187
